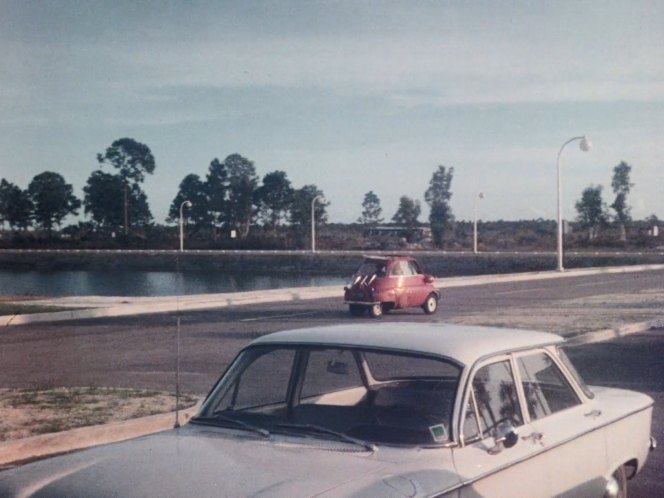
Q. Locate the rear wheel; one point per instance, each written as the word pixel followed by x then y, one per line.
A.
pixel 376 310
pixel 431 304
pixel 356 309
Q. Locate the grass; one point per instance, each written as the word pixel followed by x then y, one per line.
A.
pixel 27 309
pixel 29 412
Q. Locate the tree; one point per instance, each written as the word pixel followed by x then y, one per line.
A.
pixel 274 198
pixel 103 200
pixel 53 199
pixel 15 206
pixel 242 181
pixel 192 189
pixel 438 197
pixel 652 219
pixel 621 187
pixel 300 215
pixel 407 213
pixel 133 160
pixel 139 209
pixel 592 211
pixel 216 188
pixel 371 210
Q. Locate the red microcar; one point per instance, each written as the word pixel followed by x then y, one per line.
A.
pixel 381 284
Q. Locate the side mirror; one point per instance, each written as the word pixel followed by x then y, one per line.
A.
pixel 506 437
pixel 428 279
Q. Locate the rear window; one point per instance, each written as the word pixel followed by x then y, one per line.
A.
pixel 390 367
pixel 371 268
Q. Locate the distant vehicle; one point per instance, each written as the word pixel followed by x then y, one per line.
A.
pixel 382 284
pixel 373 410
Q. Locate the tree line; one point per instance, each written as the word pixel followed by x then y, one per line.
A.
pixel 230 198
pixel 593 213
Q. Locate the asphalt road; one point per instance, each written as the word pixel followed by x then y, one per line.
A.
pixel 140 351
pixel 635 362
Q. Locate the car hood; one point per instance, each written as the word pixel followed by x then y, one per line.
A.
pixel 201 461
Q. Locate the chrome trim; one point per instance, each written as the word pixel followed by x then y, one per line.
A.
pixel 363 303
pixel 653 443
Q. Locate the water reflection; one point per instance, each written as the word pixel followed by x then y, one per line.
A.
pixel 146 283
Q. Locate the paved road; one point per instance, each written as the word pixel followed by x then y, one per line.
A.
pixel 634 362
pixel 140 351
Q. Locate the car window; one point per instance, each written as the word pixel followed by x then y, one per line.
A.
pixel 399 269
pixel 392 367
pixel 494 392
pixel 471 427
pixel 370 268
pixel 248 391
pixel 572 369
pixel 545 387
pixel 414 268
pixel 330 370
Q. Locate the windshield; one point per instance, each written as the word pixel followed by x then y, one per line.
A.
pixel 362 395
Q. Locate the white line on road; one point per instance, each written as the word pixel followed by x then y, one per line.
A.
pixel 276 316
pixel 521 291
pixel 592 284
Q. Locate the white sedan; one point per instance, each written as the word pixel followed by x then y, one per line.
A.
pixel 378 410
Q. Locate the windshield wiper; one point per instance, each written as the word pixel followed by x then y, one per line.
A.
pixel 220 417
pixel 318 429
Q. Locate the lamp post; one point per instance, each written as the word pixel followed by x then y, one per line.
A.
pixel 584 145
pixel 187 204
pixel 479 196
pixel 320 198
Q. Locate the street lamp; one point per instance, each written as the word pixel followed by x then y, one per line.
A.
pixel 320 198
pixel 585 146
pixel 479 196
pixel 188 205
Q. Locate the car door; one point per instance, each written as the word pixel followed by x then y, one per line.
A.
pixel 567 426
pixel 486 468
pixel 417 288
pixel 399 280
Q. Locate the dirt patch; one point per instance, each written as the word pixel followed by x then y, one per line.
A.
pixel 29 412
pixel 573 316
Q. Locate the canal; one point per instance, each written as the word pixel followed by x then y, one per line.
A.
pixel 119 282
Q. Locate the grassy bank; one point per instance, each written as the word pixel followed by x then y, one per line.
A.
pixel 296 263
pixel 30 412
pixel 26 309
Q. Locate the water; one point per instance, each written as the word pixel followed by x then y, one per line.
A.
pixel 145 283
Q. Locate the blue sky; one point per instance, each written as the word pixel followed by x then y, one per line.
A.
pixel 350 96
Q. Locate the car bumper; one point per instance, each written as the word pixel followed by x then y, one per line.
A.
pixel 362 303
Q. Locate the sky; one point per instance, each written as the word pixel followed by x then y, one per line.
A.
pixel 351 96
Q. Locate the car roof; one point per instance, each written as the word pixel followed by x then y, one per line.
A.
pixel 465 344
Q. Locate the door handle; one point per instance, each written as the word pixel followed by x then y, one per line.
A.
pixel 593 413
